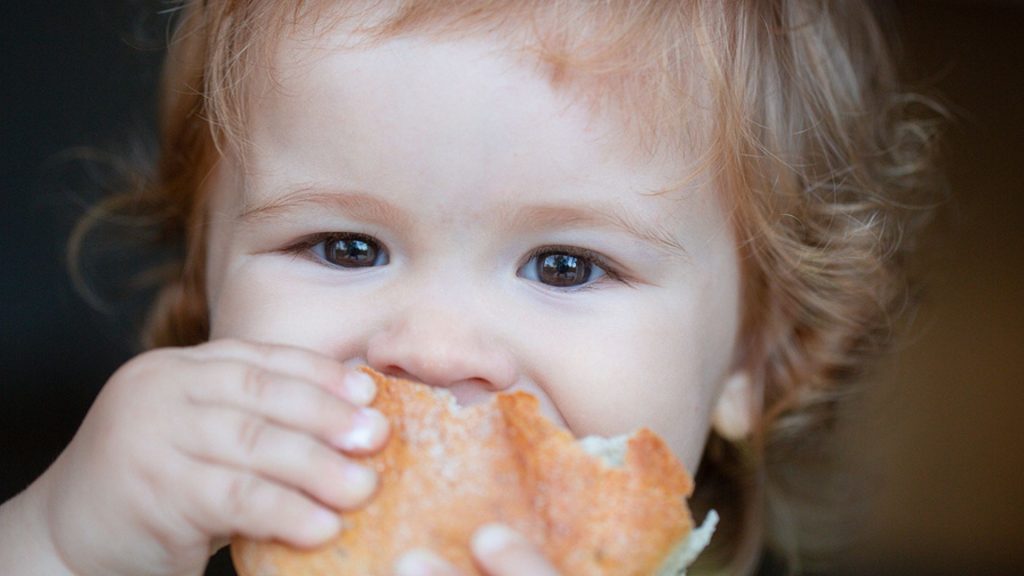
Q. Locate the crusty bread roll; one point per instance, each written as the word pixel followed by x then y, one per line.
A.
pixel 446 470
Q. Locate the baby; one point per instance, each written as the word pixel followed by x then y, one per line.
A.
pixel 684 215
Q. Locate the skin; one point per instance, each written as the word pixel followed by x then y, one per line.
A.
pixel 457 161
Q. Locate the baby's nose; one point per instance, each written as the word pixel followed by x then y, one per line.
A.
pixel 443 348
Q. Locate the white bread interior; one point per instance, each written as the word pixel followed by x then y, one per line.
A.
pixel 612 451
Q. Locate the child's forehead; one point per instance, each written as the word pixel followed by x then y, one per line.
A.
pixel 615 64
pixel 533 132
pixel 352 106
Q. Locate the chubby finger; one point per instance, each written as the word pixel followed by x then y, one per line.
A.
pixel 419 562
pixel 225 437
pixel 346 382
pixel 235 502
pixel 501 551
pixel 293 402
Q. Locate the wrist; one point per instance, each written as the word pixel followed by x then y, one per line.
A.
pixel 26 545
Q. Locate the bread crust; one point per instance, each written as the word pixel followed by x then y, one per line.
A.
pixel 446 470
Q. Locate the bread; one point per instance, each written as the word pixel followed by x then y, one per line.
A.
pixel 446 470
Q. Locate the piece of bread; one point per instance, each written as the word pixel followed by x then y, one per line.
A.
pixel 594 507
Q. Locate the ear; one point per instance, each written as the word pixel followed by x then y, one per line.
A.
pixel 737 407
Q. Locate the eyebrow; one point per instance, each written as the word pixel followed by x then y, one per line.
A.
pixel 366 207
pixel 355 204
pixel 557 216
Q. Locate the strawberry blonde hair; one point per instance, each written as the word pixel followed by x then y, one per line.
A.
pixel 809 139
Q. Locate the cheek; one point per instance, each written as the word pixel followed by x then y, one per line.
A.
pixel 260 305
pixel 649 370
pixel 261 302
pixel 248 307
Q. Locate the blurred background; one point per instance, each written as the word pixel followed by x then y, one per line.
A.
pixel 939 438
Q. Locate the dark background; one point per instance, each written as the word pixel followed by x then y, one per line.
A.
pixel 940 438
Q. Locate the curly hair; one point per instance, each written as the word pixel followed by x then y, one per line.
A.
pixel 824 162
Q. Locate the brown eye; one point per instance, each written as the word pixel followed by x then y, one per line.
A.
pixel 353 251
pixel 562 269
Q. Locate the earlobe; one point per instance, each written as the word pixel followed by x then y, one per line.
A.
pixel 736 408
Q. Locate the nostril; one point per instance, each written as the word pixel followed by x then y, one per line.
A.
pixel 396 372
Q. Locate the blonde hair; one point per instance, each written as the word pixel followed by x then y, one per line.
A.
pixel 810 139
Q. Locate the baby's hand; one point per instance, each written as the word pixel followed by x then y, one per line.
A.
pixel 186 447
pixel 497 550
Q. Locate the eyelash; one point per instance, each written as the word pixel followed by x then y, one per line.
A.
pixel 304 245
pixel 304 248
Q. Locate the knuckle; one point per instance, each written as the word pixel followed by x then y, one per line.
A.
pixel 137 382
pixel 255 382
pixel 139 369
pixel 250 435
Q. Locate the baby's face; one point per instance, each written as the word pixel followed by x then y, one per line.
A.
pixel 438 211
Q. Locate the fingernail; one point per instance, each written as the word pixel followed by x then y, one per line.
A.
pixel 492 538
pixel 367 429
pixel 324 522
pixel 360 388
pixel 419 563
